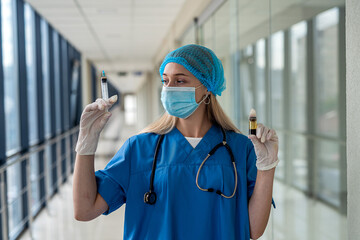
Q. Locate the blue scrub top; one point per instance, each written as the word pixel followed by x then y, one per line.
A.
pixel 182 211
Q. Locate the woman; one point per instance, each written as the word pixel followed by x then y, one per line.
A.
pixel 190 196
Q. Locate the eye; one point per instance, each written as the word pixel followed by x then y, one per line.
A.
pixel 180 81
pixel 165 81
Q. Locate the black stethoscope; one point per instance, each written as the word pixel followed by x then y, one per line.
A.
pixel 150 196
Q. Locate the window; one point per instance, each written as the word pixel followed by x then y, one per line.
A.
pixel 49 170
pixel 260 66
pixel 207 33
pixel 130 109
pixel 247 80
pixel 328 183
pixel 298 48
pixel 299 167
pixel 14 199
pixel 280 169
pixel 326 106
pixel 11 80
pixel 277 77
pixel 58 87
pixel 65 82
pixel 31 72
pixel 34 178
pixel 46 75
pixel 326 103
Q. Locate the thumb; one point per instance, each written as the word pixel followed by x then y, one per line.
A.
pixel 112 100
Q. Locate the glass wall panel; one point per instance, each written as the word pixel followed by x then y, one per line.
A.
pixel 247 84
pixel 31 72
pixel 189 36
pixel 298 77
pixel 48 170
pixel 207 33
pixel 34 178
pixel 11 80
pixel 277 79
pixel 298 158
pixel 57 81
pixel 280 169
pixel 221 47
pixel 328 171
pixel 14 198
pixel 327 73
pixel 260 91
pixel 46 75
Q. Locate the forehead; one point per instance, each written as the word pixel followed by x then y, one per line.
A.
pixel 175 68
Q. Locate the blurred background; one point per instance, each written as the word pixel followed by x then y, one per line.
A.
pixel 285 58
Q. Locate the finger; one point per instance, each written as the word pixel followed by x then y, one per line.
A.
pixel 264 134
pixel 270 134
pixel 259 130
pixel 91 107
pixel 275 137
pixel 101 104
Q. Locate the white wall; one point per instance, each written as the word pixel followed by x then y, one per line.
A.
pixel 353 115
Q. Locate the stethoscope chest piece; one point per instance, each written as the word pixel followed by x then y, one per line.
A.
pixel 150 198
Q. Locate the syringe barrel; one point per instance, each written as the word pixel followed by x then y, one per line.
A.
pixel 104 89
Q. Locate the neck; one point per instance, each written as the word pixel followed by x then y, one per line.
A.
pixel 196 125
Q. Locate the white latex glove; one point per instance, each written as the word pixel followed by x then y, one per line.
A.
pixel 93 119
pixel 266 144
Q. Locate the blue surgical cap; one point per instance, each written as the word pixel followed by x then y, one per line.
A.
pixel 202 63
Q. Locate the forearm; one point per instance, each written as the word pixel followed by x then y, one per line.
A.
pixel 260 202
pixel 84 185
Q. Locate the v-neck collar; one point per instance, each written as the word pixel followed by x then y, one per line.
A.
pixel 212 137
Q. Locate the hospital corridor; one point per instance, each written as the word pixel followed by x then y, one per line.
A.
pixel 179 119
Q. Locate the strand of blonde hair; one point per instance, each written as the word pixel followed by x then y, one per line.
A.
pixel 215 114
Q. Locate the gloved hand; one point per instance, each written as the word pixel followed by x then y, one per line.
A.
pixel 266 144
pixel 92 122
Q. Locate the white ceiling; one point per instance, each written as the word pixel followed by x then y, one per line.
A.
pixel 117 35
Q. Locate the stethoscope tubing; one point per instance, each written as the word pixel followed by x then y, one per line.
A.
pixel 150 197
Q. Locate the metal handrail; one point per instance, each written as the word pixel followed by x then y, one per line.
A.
pixel 20 157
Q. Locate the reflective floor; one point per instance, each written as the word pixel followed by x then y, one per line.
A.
pixel 296 216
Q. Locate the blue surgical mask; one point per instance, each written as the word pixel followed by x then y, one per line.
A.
pixel 179 101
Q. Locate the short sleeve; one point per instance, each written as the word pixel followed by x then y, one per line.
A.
pixel 251 170
pixel 113 180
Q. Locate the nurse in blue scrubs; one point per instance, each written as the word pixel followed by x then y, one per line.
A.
pixel 189 175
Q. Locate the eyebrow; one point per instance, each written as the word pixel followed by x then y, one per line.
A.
pixel 177 74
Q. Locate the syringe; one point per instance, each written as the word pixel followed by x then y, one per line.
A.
pixel 104 88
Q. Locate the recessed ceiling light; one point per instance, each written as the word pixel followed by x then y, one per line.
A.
pixel 122 73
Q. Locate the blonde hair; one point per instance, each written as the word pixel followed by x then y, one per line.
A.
pixel 215 114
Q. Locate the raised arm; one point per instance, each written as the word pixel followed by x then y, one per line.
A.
pixel 88 204
pixel 266 148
